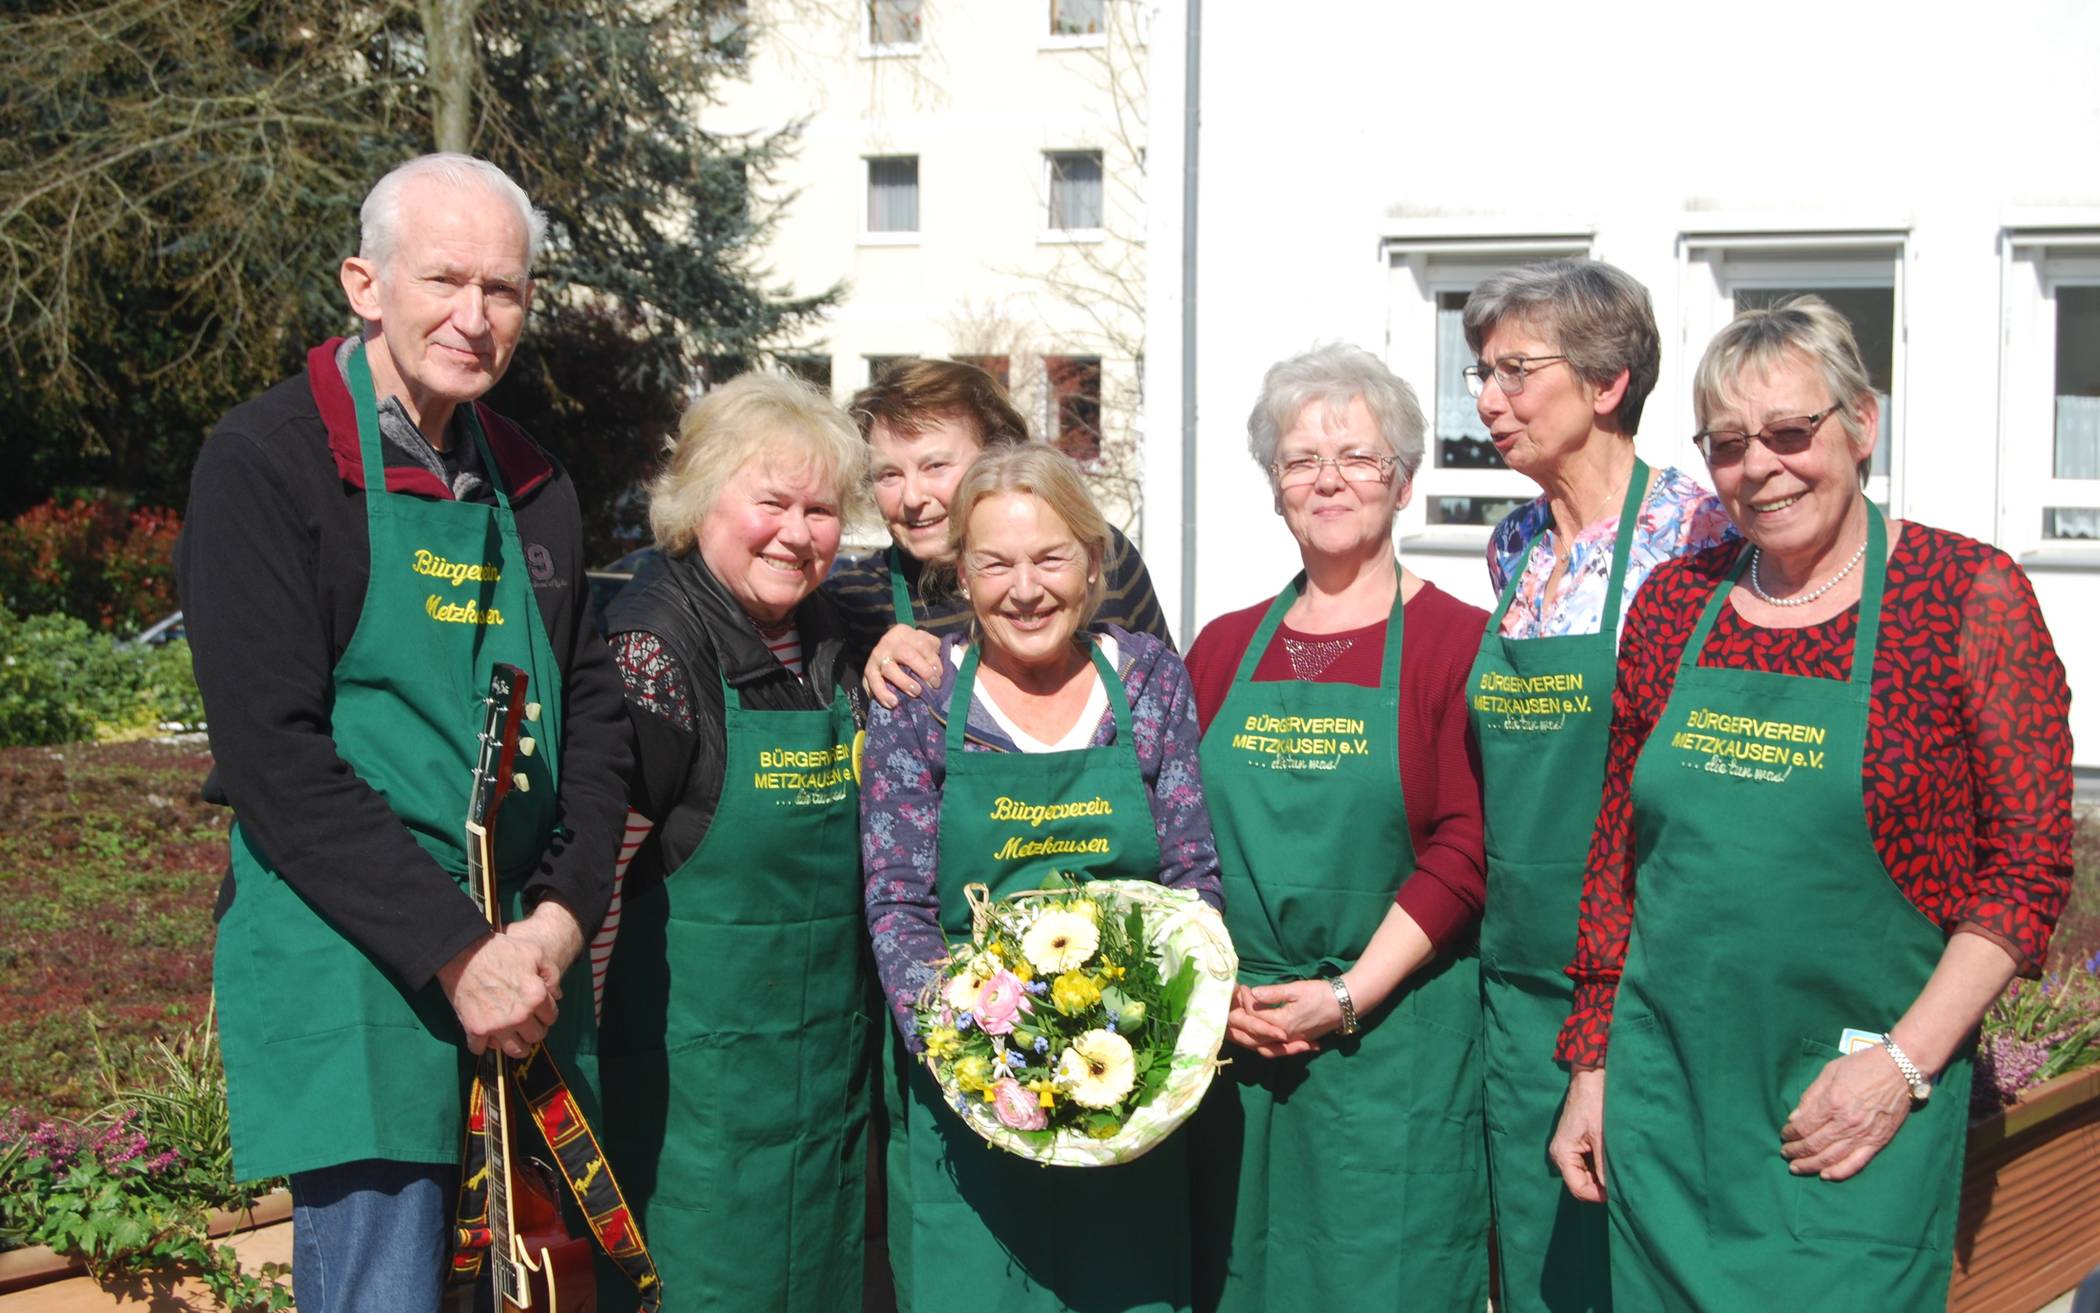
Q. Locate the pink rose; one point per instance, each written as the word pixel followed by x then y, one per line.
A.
pixel 1003 999
pixel 1016 1107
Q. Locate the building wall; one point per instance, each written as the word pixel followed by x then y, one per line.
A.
pixel 1352 154
pixel 978 99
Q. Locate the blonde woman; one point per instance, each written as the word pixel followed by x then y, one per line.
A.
pixel 1040 707
pixel 735 1031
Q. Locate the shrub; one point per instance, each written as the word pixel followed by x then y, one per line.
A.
pixel 2038 1030
pixel 100 560
pixel 60 682
pixel 131 1189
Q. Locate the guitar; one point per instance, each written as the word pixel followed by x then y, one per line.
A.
pixel 531 1254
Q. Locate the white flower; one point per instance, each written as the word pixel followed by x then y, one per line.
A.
pixel 1060 942
pixel 1097 1070
pixel 963 991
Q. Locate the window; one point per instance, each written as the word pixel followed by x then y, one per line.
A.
pixel 2075 465
pixel 1463 484
pixel 893 194
pixel 2049 428
pixel 893 26
pixel 1077 17
pixel 808 368
pixel 1075 403
pixel 999 367
pixel 1075 190
pixel 1858 276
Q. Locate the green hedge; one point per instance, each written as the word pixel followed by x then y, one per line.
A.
pixel 61 682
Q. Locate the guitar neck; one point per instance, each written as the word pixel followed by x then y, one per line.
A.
pixel 510 1284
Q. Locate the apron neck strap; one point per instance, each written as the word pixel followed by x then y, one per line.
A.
pixel 358 374
pixel 1621 553
pixel 1389 667
pixel 966 688
pixel 900 592
pixel 1866 639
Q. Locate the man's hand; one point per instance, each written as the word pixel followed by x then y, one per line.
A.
pixel 498 989
pixel 553 930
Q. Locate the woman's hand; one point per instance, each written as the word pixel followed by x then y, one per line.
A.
pixel 1577 1148
pixel 1854 1108
pixel 1280 1021
pixel 902 653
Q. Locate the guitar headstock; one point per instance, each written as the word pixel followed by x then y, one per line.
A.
pixel 502 743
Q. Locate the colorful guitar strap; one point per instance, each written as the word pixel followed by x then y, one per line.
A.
pixel 582 1164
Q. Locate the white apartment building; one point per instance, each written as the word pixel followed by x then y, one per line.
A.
pixel 1933 170
pixel 972 172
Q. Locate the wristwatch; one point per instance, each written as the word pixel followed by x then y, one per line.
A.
pixel 1920 1088
pixel 1341 996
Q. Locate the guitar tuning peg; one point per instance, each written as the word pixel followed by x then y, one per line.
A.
pixel 526 746
pixel 520 783
pixel 532 712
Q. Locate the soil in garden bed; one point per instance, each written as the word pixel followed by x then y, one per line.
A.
pixel 109 862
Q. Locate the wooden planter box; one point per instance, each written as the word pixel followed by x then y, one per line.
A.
pixel 2030 1200
pixel 39 1281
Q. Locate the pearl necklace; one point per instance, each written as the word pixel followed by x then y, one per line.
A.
pixel 1799 599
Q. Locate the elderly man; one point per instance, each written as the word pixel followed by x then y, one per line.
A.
pixel 363 543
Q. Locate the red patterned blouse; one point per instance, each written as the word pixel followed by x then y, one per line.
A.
pixel 1968 755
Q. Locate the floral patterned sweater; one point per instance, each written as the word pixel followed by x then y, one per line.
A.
pixel 903 764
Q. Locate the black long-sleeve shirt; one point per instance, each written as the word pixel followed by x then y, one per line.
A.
pixel 272 565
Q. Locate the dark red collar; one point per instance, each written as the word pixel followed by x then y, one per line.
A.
pixel 524 465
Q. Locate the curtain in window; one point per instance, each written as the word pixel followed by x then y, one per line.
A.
pixel 1075 17
pixel 1075 191
pixel 893 194
pixel 1455 413
pixel 2078 437
pixel 893 22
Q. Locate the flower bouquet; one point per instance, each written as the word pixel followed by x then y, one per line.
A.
pixel 1081 1024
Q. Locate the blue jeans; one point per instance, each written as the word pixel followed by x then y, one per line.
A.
pixel 371 1236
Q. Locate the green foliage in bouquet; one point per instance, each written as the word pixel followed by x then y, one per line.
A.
pixel 1060 1018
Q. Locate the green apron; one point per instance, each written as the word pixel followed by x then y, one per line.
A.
pixel 900 592
pixel 1766 926
pixel 975 1226
pixel 1541 710
pixel 1349 1178
pixel 329 1059
pixel 735 1025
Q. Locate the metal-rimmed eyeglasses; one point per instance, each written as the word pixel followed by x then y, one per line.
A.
pixel 1508 373
pixel 1786 436
pixel 1352 466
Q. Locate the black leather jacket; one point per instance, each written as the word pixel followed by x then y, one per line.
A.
pixel 678 772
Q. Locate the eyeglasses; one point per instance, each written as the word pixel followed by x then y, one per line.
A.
pixel 1782 437
pixel 1508 373
pixel 1353 466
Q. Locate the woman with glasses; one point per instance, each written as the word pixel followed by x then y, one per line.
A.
pixel 1568 353
pixel 1038 706
pixel 1337 1162
pixel 1836 822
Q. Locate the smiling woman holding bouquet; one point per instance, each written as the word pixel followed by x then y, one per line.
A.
pixel 1337 1162
pixel 1052 749
pixel 736 1029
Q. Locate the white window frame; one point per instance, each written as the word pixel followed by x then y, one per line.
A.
pixel 1715 266
pixel 1055 235
pixel 890 237
pixel 888 50
pixel 2034 266
pixel 1418 269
